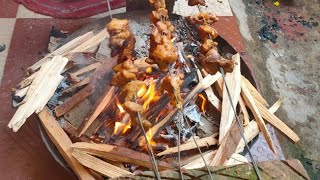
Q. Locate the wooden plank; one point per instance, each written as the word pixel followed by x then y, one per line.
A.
pixel 93 42
pixel 74 87
pixel 233 80
pixel 277 123
pixel 199 163
pixel 212 98
pixel 248 99
pixel 63 143
pixel 252 129
pixel 39 92
pixel 254 92
pixel 74 76
pixel 120 154
pixel 100 79
pixel 61 51
pixel 100 105
pixel 98 165
pixel 244 112
pixel 203 142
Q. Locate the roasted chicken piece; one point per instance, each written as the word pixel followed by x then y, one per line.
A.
pixel 157 4
pixel 196 2
pixel 122 78
pixel 163 55
pixel 171 84
pixel 203 18
pixel 206 31
pixel 207 45
pixel 127 65
pixel 158 15
pixel 132 109
pixel 116 26
pixel 213 61
pixel 132 88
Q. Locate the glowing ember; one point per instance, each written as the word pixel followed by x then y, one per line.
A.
pixel 204 100
pixel 142 91
pixel 150 95
pixel 120 106
pixel 149 70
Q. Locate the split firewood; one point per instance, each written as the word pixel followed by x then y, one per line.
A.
pixel 254 92
pixel 212 98
pixel 98 165
pixel 99 79
pixel 20 94
pixel 198 163
pixel 203 142
pixel 276 122
pixel 61 51
pixel 252 129
pixel 233 80
pixel 204 84
pixel 235 159
pixel 120 154
pixel 40 91
pixel 74 87
pixel 244 112
pixel 63 143
pixel 74 77
pixel 91 44
pixel 100 105
pixel 27 81
pixel 248 99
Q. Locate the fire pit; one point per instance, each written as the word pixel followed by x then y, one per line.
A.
pixel 119 129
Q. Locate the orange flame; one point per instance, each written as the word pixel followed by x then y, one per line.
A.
pixel 118 126
pixel 120 106
pixel 149 70
pixel 204 100
pixel 149 138
pixel 142 91
pixel 150 96
pixel 125 129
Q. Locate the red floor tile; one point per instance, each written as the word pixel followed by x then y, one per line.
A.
pixel 8 8
pixel 23 155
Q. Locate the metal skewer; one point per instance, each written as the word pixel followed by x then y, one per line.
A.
pixel 109 8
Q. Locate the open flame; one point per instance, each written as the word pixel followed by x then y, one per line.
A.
pixel 126 127
pixel 142 91
pixel 120 127
pixel 120 106
pixel 149 138
pixel 204 100
pixel 150 96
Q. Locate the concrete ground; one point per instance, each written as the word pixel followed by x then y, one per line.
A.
pixel 283 45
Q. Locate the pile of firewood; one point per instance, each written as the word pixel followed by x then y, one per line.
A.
pixel 65 79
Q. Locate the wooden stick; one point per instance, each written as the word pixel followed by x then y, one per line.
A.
pixel 61 51
pixel 203 142
pixel 27 81
pixel 204 84
pixel 254 92
pixel 63 143
pixel 92 42
pixel 248 99
pixel 244 112
pixel 73 87
pixel 120 154
pixel 198 163
pixel 98 165
pixel 100 78
pixel 276 122
pixel 252 129
pixel 97 109
pixel 40 92
pixel 212 98
pixel 233 80
pixel 74 76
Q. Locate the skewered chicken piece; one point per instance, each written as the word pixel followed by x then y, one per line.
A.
pixel 205 31
pixel 213 60
pixel 122 40
pixel 126 65
pixel 122 78
pixel 203 18
pixel 207 45
pixel 157 4
pixel 158 15
pixel 131 89
pixel 171 84
pixel 132 109
pixel 196 2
